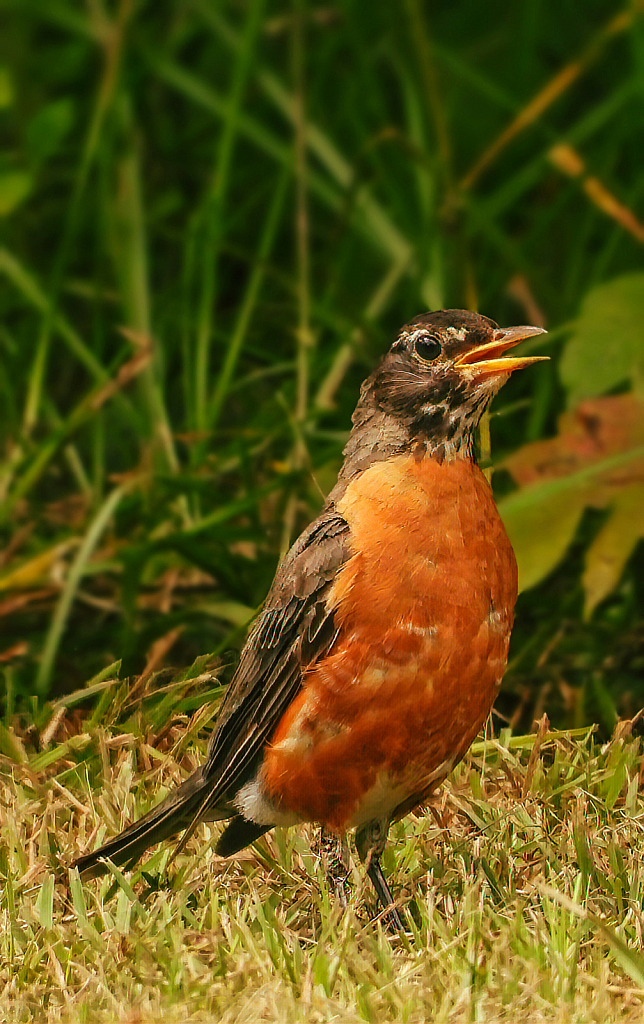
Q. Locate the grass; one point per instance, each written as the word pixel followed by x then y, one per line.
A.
pixel 524 887
pixel 215 216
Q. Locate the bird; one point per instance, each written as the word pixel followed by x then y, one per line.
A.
pixel 380 648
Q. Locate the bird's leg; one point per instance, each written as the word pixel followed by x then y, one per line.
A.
pixel 371 840
pixel 337 863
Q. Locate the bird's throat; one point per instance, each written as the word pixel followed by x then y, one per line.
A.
pixel 436 432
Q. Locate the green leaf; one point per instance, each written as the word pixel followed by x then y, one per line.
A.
pixel 45 902
pixel 14 186
pixel 540 533
pixel 610 550
pixel 607 347
pixel 78 898
pixel 631 962
pixel 48 127
pixel 7 92
pixel 11 746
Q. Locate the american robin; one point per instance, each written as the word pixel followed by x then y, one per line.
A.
pixel 380 648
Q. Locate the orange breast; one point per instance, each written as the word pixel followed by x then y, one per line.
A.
pixel 425 607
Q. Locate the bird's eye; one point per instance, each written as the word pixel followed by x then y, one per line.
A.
pixel 427 348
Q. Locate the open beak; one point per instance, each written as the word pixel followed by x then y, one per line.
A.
pixel 490 358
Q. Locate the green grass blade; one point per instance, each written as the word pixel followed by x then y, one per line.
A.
pixel 63 608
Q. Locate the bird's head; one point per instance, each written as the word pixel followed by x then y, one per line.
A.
pixel 442 371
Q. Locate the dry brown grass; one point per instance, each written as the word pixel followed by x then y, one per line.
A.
pixel 524 885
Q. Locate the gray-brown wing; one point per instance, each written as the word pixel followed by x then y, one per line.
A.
pixel 294 629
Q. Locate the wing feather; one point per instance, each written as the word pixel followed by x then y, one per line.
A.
pixel 294 629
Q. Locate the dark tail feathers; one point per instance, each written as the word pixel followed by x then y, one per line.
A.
pixel 177 812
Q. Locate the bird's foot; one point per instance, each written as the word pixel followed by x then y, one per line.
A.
pixel 393 916
pixel 336 859
pixel 370 844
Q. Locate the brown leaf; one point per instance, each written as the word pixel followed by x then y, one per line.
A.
pixel 16 542
pixel 18 601
pixel 596 432
pixel 41 568
pixel 15 651
pixel 155 656
pixel 127 372
pixel 69 511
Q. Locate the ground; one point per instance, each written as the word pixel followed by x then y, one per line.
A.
pixel 523 883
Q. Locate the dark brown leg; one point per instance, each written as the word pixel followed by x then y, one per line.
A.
pixel 370 843
pixel 337 863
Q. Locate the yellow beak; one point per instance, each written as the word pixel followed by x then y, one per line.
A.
pixel 489 358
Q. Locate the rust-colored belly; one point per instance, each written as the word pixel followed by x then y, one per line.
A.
pixel 425 608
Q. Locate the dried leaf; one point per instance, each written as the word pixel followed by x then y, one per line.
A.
pixel 40 569
pixel 15 651
pixel 594 431
pixel 19 601
pixel 70 511
pixel 598 459
pixel 127 372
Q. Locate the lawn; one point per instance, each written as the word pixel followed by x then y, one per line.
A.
pixel 523 884
pixel 215 215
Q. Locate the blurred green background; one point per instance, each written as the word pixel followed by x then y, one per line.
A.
pixel 215 215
